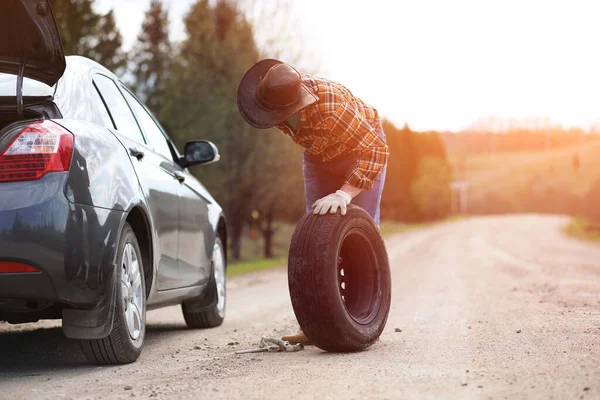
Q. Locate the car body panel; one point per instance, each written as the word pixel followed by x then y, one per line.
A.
pixel 72 245
pixel 159 189
pixel 76 97
pixel 194 238
pixel 101 173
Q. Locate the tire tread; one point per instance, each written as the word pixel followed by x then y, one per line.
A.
pixel 112 350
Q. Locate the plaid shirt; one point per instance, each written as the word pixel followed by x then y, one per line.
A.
pixel 341 124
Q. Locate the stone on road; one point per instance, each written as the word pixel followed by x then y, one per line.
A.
pixel 489 307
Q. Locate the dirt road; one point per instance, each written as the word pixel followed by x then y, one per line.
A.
pixel 494 307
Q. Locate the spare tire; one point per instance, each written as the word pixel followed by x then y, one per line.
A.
pixel 339 280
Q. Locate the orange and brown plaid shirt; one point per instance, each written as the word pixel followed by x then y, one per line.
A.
pixel 341 124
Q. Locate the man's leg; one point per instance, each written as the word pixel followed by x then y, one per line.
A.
pixel 370 200
pixel 318 181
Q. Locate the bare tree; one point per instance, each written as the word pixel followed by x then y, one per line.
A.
pixel 278 34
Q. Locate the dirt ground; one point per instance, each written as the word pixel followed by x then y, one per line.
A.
pixel 491 307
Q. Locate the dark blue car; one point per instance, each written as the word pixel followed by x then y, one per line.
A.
pixel 100 219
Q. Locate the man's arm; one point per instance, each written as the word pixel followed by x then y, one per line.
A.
pixel 371 162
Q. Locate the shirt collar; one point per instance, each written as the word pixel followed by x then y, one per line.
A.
pixel 286 129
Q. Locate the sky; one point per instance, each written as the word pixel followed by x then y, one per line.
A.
pixel 439 64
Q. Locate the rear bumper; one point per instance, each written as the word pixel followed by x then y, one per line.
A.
pixel 72 245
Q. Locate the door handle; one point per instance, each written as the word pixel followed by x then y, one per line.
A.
pixel 137 153
pixel 179 176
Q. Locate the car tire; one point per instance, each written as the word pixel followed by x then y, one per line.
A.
pixel 339 280
pixel 124 343
pixel 214 314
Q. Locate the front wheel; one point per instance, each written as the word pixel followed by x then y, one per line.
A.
pixel 124 343
pixel 212 315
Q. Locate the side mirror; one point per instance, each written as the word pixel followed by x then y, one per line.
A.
pixel 199 152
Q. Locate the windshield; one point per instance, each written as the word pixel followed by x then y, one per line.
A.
pixel 31 87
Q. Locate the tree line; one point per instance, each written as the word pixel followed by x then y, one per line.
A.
pixel 191 87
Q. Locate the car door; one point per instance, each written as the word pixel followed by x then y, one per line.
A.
pixel 193 251
pixel 156 178
pixel 195 242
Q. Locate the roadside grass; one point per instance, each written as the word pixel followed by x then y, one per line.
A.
pixel 252 249
pixel 581 228
pixel 245 267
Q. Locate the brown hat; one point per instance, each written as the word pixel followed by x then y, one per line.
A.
pixel 270 92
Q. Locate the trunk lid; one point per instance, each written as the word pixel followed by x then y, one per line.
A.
pixel 30 39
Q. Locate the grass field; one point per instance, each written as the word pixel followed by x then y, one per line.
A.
pixel 514 174
pixel 252 250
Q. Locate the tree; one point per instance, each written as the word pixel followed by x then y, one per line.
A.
pixel 107 44
pixel 280 196
pixel 397 202
pixel 431 190
pixel 152 58
pixel 202 102
pixel 86 33
pixel 77 23
pixel 277 33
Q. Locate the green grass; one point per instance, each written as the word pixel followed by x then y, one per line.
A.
pixel 245 267
pixel 252 249
pixel 582 229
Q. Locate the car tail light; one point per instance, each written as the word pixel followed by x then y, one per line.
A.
pixel 38 149
pixel 9 267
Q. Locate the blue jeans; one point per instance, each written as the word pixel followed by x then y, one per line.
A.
pixel 321 179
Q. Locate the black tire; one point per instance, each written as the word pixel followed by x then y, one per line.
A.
pixel 336 318
pixel 120 347
pixel 212 315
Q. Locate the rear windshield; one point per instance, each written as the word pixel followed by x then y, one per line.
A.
pixel 31 87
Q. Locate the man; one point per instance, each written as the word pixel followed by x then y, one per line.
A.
pixel 345 153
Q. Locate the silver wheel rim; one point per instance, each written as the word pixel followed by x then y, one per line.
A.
pixel 219 273
pixel 131 291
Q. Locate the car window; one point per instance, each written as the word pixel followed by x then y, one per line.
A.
pixel 31 87
pixel 100 107
pixel 152 131
pixel 174 151
pixel 117 106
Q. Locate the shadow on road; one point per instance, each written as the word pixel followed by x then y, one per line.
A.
pixel 35 352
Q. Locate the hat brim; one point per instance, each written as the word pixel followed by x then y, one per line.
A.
pixel 261 117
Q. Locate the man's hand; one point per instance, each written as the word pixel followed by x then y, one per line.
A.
pixel 332 202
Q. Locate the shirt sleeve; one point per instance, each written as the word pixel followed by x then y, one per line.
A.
pixel 371 162
pixel 358 136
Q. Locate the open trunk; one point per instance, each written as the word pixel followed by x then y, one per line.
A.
pixel 34 111
pixel 30 52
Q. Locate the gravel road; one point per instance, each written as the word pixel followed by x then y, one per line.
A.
pixel 491 307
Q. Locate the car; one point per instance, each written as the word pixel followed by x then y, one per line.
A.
pixel 100 218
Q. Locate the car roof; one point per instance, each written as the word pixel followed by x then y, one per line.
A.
pixel 84 63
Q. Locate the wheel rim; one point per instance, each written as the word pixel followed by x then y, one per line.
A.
pixel 131 291
pixel 358 277
pixel 219 274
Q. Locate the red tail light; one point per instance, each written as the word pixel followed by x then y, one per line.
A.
pixel 8 267
pixel 40 148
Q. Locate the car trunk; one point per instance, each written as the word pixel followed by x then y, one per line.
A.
pixel 31 50
pixel 35 109
pixel 8 118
